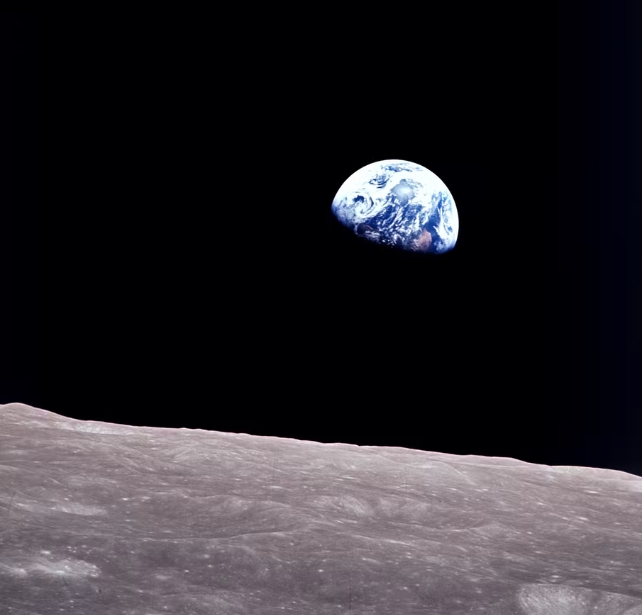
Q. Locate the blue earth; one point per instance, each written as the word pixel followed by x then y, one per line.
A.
pixel 399 204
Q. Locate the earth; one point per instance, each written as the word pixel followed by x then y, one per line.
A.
pixel 399 204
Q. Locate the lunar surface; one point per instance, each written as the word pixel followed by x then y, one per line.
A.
pixel 105 519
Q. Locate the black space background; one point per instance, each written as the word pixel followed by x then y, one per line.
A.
pixel 169 256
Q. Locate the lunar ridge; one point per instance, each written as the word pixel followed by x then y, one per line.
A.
pixel 113 519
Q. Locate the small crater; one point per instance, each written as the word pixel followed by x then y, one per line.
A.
pixel 544 599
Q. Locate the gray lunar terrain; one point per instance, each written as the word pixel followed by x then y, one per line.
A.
pixel 105 519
